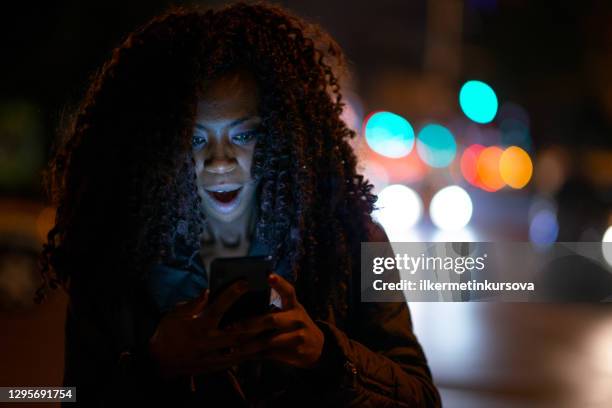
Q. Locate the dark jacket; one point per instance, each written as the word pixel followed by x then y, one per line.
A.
pixel 371 360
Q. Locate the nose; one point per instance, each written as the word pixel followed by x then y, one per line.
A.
pixel 221 159
pixel 218 167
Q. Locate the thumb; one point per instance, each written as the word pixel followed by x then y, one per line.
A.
pixel 192 307
pixel 200 302
pixel 284 289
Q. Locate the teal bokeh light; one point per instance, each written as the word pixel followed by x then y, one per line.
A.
pixel 478 101
pixel 436 145
pixel 389 134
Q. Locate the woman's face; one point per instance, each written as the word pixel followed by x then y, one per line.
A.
pixel 227 127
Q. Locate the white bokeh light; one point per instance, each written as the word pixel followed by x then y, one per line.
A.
pixel 451 208
pixel 606 246
pixel 399 208
pixel 458 235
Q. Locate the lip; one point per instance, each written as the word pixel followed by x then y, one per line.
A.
pixel 225 198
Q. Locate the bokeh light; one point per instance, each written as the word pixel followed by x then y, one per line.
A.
pixel 478 101
pixel 389 134
pixel 539 203
pixel 405 170
pixel 436 145
pixel 409 169
pixel 460 235
pixel 398 208
pixel 44 222
pixel 451 208
pixel 469 161
pixel 543 228
pixel 515 167
pixel 606 245
pixel 487 168
pixel 551 170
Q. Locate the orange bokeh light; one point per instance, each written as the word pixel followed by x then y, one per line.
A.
pixel 488 168
pixel 515 167
pixel 44 222
pixel 469 166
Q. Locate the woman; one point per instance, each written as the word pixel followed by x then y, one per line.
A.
pixel 218 134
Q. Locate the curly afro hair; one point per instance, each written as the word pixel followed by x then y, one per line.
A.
pixel 123 178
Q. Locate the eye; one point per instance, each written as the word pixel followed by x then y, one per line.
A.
pixel 245 137
pixel 198 141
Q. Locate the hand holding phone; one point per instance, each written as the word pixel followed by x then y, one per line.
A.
pixel 188 340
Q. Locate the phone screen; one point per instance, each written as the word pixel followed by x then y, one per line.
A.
pixel 254 269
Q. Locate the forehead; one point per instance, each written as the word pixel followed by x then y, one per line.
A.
pixel 229 96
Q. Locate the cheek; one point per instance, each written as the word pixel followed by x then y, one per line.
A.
pixel 245 159
pixel 198 158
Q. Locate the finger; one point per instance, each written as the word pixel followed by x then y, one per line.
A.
pixel 201 302
pixel 280 346
pixel 258 346
pixel 281 321
pixel 213 314
pixel 220 340
pixel 286 340
pixel 284 289
pixel 192 307
pixel 280 354
pixel 181 307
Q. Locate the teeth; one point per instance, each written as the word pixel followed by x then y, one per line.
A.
pixel 221 190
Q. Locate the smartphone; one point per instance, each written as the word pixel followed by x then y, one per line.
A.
pixel 255 270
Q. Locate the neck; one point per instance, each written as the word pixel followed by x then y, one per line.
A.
pixel 231 234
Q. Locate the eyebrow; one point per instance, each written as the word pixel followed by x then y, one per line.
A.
pixel 232 124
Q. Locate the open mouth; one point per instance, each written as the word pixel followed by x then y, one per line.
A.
pixel 224 197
